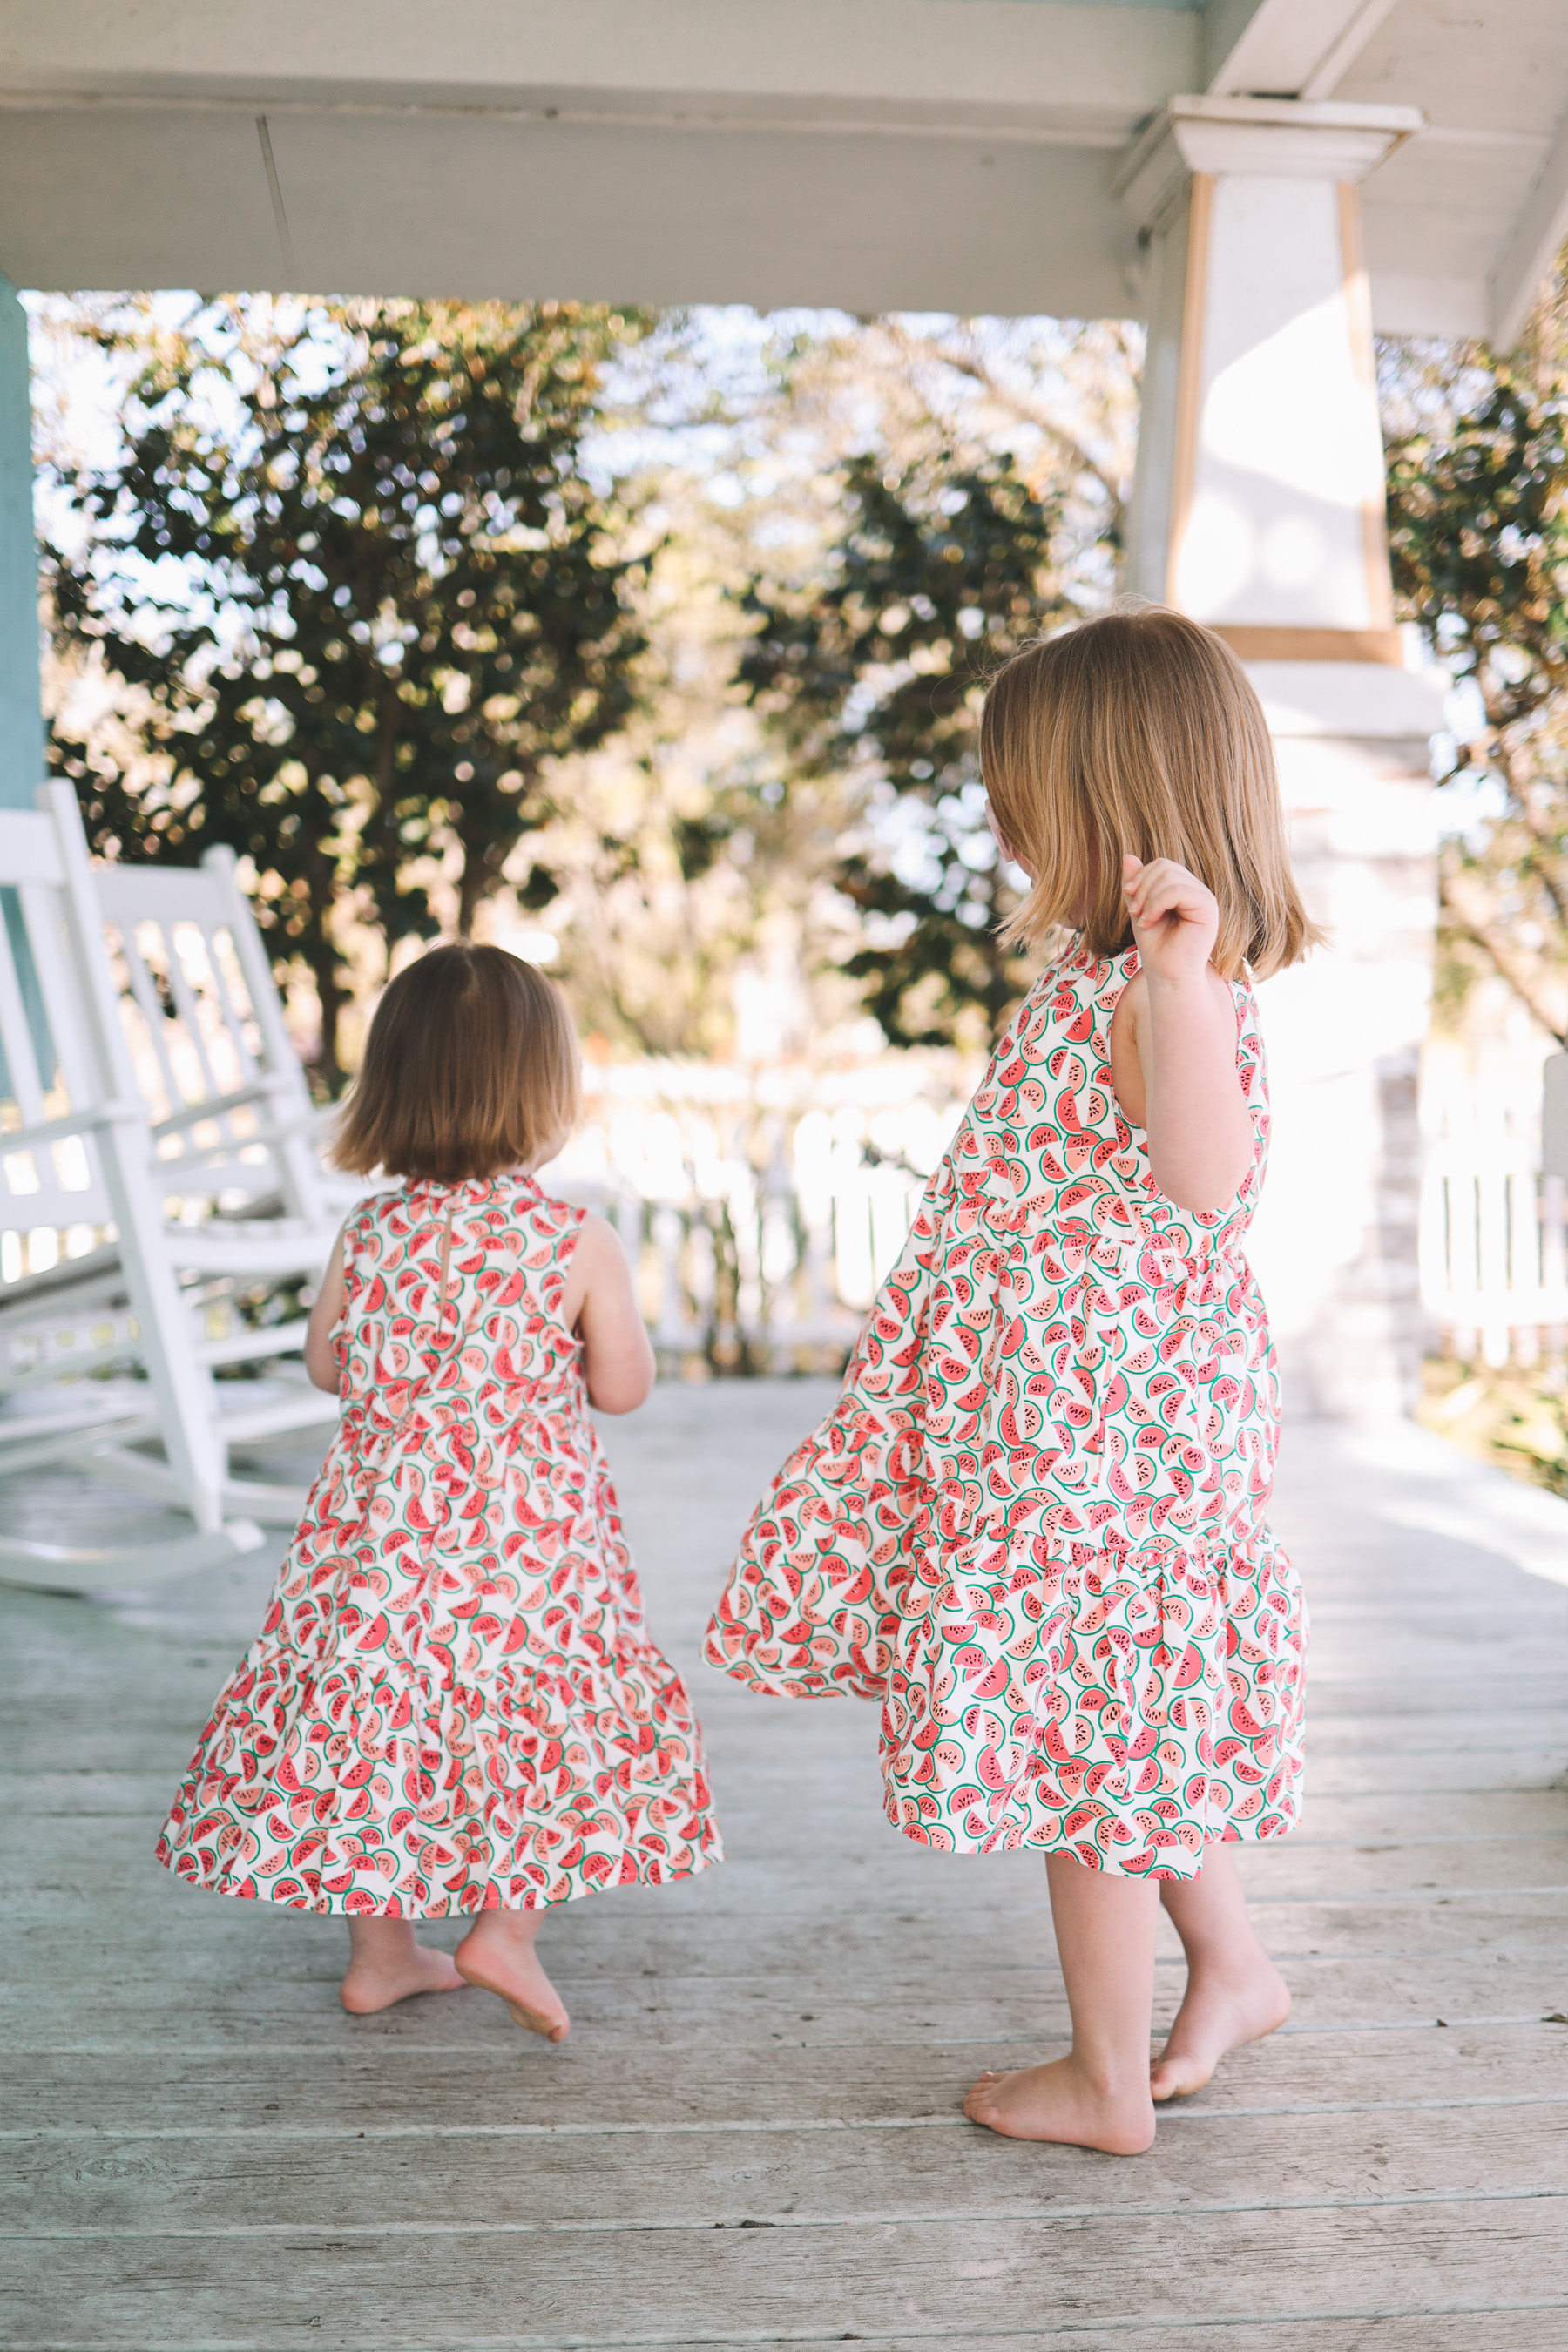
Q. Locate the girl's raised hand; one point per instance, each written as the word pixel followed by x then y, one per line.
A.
pixel 1174 918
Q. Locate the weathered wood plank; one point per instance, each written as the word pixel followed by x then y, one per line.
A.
pixel 919 2276
pixel 740 1995
pixel 382 2077
pixel 1520 2326
pixel 928 1950
pixel 698 2181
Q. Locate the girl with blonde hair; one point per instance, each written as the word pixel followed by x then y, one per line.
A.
pixel 1034 1526
pixel 454 1707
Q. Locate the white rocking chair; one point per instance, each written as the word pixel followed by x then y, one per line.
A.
pixel 163 1103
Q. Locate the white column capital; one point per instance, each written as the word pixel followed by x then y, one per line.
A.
pixel 1266 138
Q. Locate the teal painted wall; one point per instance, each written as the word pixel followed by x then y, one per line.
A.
pixel 21 723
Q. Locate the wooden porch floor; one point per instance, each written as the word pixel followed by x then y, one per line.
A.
pixel 753 2136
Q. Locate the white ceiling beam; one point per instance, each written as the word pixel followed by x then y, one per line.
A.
pixel 1285 48
pixel 1531 244
pixel 815 55
pixel 1341 54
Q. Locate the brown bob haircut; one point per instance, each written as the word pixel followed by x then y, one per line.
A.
pixel 472 1066
pixel 1141 731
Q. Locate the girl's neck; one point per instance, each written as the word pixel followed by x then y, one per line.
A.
pixel 520 1167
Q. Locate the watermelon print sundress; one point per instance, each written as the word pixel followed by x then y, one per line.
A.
pixel 454 1703
pixel 1034 1525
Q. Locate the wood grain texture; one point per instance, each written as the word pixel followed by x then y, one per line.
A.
pixel 1390 1993
pixel 766 2285
pixel 246 2186
pixel 754 2136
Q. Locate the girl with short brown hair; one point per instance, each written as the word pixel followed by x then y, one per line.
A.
pixel 454 1705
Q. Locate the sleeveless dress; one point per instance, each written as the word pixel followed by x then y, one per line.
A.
pixel 1033 1525
pixel 453 1703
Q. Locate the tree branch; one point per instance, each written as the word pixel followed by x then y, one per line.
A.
pixel 1476 928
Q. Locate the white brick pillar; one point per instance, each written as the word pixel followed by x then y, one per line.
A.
pixel 1259 510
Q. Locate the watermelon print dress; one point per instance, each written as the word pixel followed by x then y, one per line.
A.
pixel 453 1703
pixel 1034 1526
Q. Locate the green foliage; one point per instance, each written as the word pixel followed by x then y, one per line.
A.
pixel 1514 1416
pixel 939 573
pixel 1478 493
pixel 1478 535
pixel 356 566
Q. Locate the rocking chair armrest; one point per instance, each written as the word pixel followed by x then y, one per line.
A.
pixel 275 1130
pixel 306 1122
pixel 74 1122
pixel 218 1106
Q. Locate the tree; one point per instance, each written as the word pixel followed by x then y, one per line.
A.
pixel 942 567
pixel 366 595
pixel 1477 483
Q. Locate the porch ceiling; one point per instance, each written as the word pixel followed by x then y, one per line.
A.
pixel 940 154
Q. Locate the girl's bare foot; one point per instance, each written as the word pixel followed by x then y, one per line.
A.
pixel 1059 2102
pixel 1224 2008
pixel 498 1955
pixel 388 1964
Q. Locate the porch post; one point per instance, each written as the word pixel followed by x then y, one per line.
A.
pixel 1259 510
pixel 21 724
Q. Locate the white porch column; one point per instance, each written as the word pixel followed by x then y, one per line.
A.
pixel 21 727
pixel 1260 510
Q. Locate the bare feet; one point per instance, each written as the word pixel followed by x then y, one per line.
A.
pixel 1060 2101
pixel 1223 2009
pixel 388 1965
pixel 498 1955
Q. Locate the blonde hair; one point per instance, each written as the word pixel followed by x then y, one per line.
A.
pixel 472 1066
pixel 1141 731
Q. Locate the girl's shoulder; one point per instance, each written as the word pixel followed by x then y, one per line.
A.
pixel 1076 978
pixel 1073 996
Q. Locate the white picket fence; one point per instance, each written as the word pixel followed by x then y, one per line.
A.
pixel 760 1213
pixel 1494 1230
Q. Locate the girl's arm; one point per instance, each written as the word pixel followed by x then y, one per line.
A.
pixel 320 1363
pixel 599 1303
pixel 1173 1041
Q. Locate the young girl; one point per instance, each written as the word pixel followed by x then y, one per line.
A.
pixel 453 1704
pixel 1034 1525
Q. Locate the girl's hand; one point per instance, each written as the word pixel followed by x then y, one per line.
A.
pixel 1172 1041
pixel 1175 919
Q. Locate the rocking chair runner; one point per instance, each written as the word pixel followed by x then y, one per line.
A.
pixel 181 1092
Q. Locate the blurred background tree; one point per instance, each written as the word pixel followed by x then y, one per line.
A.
pixel 570 625
pixel 1478 500
pixel 365 598
pixel 1478 492
pixel 972 486
pixel 940 571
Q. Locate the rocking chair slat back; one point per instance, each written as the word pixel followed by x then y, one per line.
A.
pixel 205 1035
pixel 56 1181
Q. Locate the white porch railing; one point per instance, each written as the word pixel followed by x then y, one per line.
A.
pixel 760 1213
pixel 762 1219
pixel 1494 1240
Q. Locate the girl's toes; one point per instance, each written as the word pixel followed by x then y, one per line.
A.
pixel 1173 2080
pixel 978 2105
